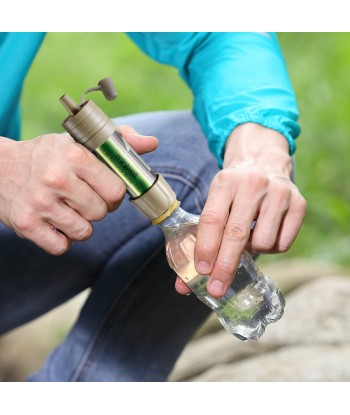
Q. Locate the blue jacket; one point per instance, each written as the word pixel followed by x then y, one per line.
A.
pixel 235 78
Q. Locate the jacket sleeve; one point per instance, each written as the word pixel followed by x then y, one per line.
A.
pixel 235 78
pixel 17 51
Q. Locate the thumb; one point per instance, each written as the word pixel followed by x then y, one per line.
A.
pixel 140 143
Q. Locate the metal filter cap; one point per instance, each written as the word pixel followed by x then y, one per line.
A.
pixel 87 123
pixel 156 201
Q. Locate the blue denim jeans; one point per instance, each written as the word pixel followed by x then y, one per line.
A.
pixel 133 325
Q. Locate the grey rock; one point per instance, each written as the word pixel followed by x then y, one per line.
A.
pixel 309 363
pixel 291 273
pixel 317 314
pixel 211 350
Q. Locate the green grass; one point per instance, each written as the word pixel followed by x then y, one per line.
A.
pixel 72 62
pixel 319 66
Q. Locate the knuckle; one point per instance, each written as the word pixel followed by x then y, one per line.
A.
pixel 282 191
pixel 66 137
pixel 301 204
pixel 203 252
pixel 262 245
pixel 209 217
pixel 83 231
pixel 24 224
pixel 203 248
pixel 96 212
pixel 256 179
pixel 60 247
pixel 284 245
pixel 40 201
pixel 236 232
pixel 101 211
pixel 76 155
pixel 117 193
pixel 125 130
pixel 56 179
pixel 223 178
pixel 225 268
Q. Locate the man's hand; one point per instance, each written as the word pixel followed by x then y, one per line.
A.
pixel 52 188
pixel 254 185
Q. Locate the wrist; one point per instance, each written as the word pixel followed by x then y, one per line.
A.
pixel 252 143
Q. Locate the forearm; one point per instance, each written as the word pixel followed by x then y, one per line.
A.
pixel 252 144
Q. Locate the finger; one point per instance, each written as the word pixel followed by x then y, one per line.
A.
pixel 48 238
pixel 80 185
pixel 234 240
pixel 291 224
pixel 70 223
pixel 181 287
pixel 90 205
pixel 89 169
pixel 269 221
pixel 140 143
pixel 211 226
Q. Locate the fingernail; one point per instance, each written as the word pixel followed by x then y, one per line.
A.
pixel 216 287
pixel 203 267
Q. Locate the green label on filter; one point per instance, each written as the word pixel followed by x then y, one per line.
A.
pixel 124 166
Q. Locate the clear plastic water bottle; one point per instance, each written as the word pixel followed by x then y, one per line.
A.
pixel 252 301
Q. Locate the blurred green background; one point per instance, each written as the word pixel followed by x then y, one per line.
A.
pixel 319 66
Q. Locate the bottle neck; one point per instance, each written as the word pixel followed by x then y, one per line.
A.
pixel 177 218
pixel 173 219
